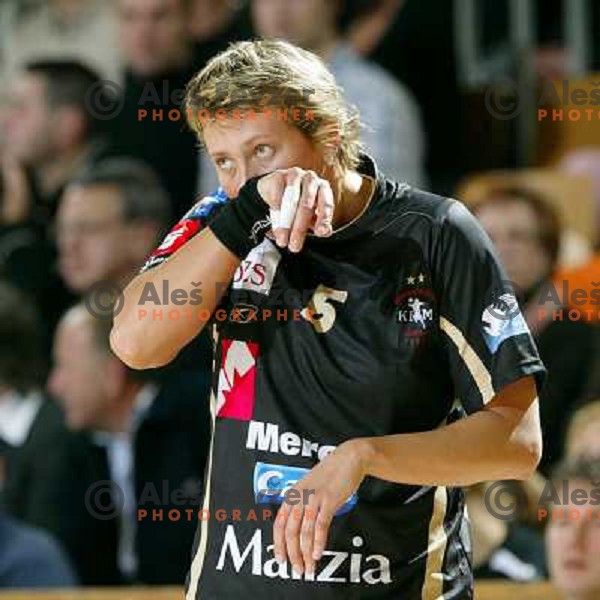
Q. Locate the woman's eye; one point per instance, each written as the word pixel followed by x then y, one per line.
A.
pixel 263 150
pixel 224 163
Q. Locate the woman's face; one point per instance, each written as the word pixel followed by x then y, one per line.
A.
pixel 244 148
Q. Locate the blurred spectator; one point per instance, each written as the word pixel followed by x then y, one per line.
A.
pixel 573 534
pixel 154 36
pixel 159 61
pixel 583 433
pixel 214 24
pixel 21 365
pixel 47 470
pixel 51 131
pixel 146 434
pixel 25 252
pixel 14 197
pixel 367 21
pixel 81 30
pixel 4 447
pixel 393 133
pixel 391 33
pixel 592 391
pixel 502 549
pixel 29 558
pixel 109 220
pixel 526 233
pixel 586 161
pixel 51 136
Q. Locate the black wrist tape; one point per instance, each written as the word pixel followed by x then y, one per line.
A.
pixel 243 222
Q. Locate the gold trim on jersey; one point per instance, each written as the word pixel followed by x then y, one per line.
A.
pixel 433 586
pixel 471 359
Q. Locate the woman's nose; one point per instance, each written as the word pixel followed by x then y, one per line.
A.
pixel 243 173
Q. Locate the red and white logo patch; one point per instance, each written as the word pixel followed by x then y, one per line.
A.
pixel 237 378
pixel 178 236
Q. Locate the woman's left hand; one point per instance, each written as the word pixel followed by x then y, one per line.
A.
pixel 300 531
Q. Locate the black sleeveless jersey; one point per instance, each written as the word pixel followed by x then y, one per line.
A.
pixel 380 329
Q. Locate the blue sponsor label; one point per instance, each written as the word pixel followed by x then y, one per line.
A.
pixel 271 482
pixel 502 320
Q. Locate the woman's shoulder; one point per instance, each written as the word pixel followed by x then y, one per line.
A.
pixel 401 197
pixel 420 214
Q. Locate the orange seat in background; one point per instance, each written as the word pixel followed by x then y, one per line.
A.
pixel 586 278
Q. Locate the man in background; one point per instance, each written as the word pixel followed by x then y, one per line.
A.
pixel 109 220
pixel 147 435
pixel 51 136
pixel 159 60
pixel 29 558
pixel 50 129
pixel 47 469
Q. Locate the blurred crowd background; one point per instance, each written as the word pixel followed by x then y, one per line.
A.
pixel 490 101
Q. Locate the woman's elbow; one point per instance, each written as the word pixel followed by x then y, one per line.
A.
pixel 133 351
pixel 528 454
pixel 518 409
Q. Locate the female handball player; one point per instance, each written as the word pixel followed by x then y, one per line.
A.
pixel 370 358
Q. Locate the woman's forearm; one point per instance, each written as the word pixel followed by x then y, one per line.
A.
pixel 146 335
pixel 498 442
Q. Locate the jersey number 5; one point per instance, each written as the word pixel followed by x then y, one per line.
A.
pixel 320 312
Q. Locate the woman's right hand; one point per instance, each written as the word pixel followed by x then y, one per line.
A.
pixel 300 201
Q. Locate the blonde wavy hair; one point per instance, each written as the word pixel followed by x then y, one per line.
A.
pixel 254 75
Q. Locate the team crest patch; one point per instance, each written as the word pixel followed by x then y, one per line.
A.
pixel 415 311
